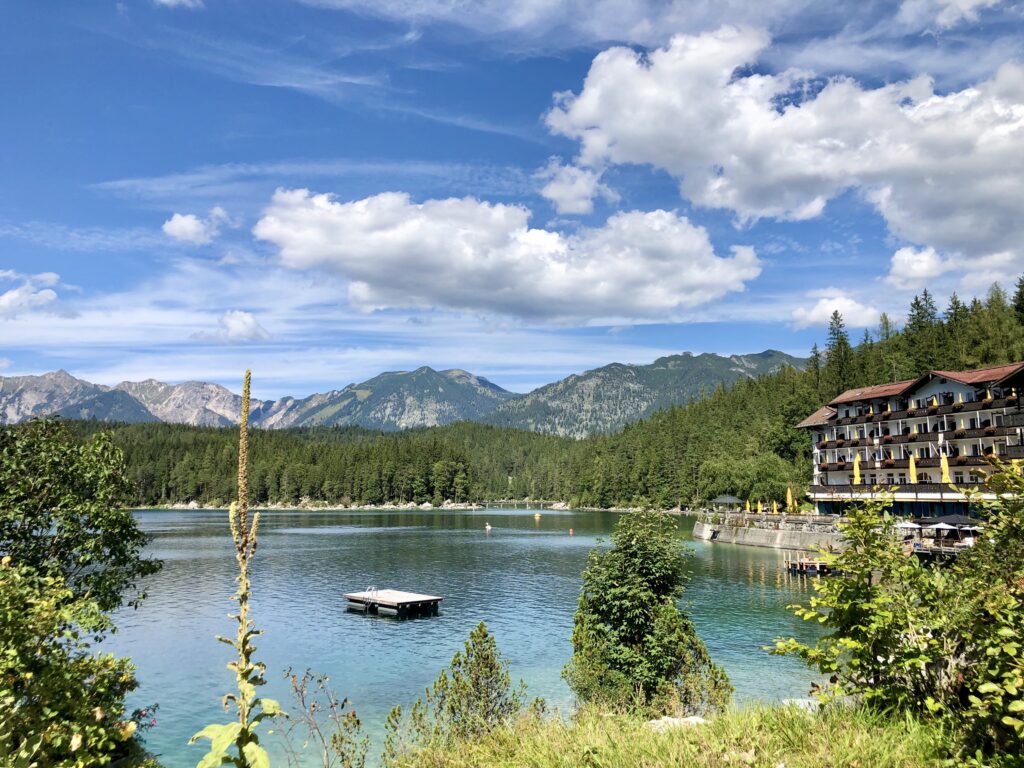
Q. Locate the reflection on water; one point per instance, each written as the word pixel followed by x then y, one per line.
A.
pixel 522 577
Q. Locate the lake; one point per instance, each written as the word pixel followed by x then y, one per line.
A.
pixel 522 578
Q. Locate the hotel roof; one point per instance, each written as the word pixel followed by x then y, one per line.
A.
pixel 995 374
pixel 870 393
pixel 991 375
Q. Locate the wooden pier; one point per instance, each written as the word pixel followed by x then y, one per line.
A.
pixel 808 566
pixel 393 602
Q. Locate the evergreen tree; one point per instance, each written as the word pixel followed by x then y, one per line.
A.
pixel 1018 300
pixel 956 334
pixel 922 332
pixel 839 357
pixel 629 635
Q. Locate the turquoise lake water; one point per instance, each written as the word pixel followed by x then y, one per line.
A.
pixel 522 578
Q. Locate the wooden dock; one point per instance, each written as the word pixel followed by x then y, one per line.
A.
pixel 809 566
pixel 393 602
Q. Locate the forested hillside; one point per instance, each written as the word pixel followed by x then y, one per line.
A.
pixel 739 439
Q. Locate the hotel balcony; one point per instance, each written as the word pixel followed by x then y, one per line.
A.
pixel 935 410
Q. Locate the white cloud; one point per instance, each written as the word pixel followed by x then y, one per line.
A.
pixel 5 363
pixel 942 13
pixel 945 170
pixel 180 3
pixel 464 254
pixel 236 325
pixel 913 268
pixel 572 189
pixel 32 292
pixel 855 314
pixel 189 228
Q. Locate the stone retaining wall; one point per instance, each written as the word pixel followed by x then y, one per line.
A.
pixel 777 534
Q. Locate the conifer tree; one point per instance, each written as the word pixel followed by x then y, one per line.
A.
pixel 839 357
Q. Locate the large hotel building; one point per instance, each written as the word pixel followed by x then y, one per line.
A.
pixel 922 440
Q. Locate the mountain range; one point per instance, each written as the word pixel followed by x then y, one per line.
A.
pixel 601 400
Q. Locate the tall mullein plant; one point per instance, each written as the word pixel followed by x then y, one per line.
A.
pixel 237 743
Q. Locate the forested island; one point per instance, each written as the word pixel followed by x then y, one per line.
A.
pixel 738 439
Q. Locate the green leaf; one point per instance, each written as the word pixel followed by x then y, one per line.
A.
pixel 220 736
pixel 256 756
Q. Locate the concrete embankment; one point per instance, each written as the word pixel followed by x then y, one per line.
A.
pixel 775 531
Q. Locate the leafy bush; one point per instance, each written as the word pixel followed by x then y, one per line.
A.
pixel 943 643
pixel 62 507
pixel 631 642
pixel 340 741
pixel 473 697
pixel 60 703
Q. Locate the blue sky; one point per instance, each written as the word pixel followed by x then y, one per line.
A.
pixel 327 189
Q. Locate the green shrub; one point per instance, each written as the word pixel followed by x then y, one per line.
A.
pixel 473 697
pixel 60 703
pixel 631 642
pixel 62 506
pixel 943 643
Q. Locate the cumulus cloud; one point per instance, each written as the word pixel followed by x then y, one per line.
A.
pixel 855 314
pixel 31 292
pixel 465 254
pixel 944 170
pixel 189 228
pixel 236 326
pixel 572 189
pixel 913 268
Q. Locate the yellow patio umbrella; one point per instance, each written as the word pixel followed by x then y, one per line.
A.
pixel 960 397
pixel 789 497
pixel 856 469
pixel 748 506
pixel 912 469
pixel 934 401
pixel 760 507
pixel 944 463
pixel 988 393
pixel 871 410
pixel 775 507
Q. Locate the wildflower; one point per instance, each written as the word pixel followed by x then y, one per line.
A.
pixel 99 714
pixel 76 742
pixel 128 729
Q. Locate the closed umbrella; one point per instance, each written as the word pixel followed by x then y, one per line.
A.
pixel 789 497
pixel 775 507
pixel 760 507
pixel 748 506
pixel 912 469
pixel 944 464
pixel 856 469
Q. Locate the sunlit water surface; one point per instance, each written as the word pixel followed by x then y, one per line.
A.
pixel 522 577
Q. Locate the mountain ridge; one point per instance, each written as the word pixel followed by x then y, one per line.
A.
pixel 599 400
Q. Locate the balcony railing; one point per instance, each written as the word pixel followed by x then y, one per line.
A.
pixel 951 488
pixel 948 435
pixel 911 413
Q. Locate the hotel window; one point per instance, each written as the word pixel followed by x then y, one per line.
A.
pixel 958 477
pixel 890 479
pixel 972 423
pixel 903 478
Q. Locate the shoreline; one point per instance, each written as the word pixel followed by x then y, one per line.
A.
pixel 447 506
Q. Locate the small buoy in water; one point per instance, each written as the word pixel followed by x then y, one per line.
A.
pixel 536 515
pixel 570 531
pixel 487 526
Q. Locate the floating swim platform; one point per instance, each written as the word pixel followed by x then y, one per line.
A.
pixel 393 602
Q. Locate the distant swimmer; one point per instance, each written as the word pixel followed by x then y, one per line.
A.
pixel 570 531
